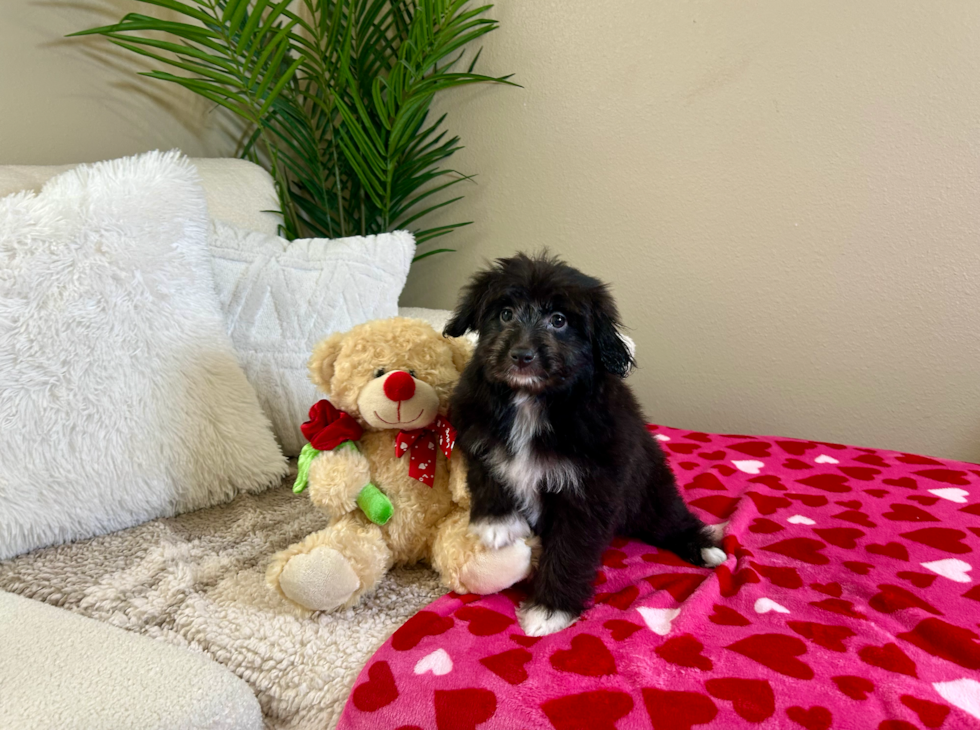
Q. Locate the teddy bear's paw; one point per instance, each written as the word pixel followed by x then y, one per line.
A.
pixel 491 571
pixel 320 580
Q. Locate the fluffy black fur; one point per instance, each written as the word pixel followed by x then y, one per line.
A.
pixel 551 432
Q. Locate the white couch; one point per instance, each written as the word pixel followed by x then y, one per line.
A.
pixel 62 670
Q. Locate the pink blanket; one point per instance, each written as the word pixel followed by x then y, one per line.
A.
pixel 849 600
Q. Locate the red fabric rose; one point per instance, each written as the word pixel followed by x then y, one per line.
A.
pixel 328 427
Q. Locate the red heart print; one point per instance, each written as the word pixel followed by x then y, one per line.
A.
pixel 857 688
pixel 483 621
pixel 856 566
pixel 680 447
pixel 752 699
pixel 378 691
pixel 422 624
pixel 663 557
pixel 596 710
pixel 725 616
pixel 941 538
pixel 923 499
pixel 973 509
pixel 509 665
pixel 861 473
pixel 680 586
pixel 724 469
pixel 730 584
pixel 600 578
pixel 931 714
pixel 849 503
pixel 831 445
pixel 776 651
pixel 828 589
pixel 872 460
pixel 688 465
pixel 877 493
pixel 973 594
pixel 842 537
pixel 587 656
pixel 466 597
pixel 514 595
pixel 952 643
pixel 796 464
pixel 614 559
pixel 684 651
pixel 463 709
pixel 916 459
pixel 810 500
pixel 764 526
pixel 919 580
pixel 804 549
pixel 908 513
pixel 677 710
pixel 621 600
pixel 894 598
pixel 717 504
pixel 620 630
pixel 855 516
pixel 827 482
pixel 829 636
pixel 896 725
pixel 732 546
pixel 525 640
pixel 699 436
pixel 771 481
pixel 712 455
pixel 758 449
pixel 903 482
pixel 782 577
pixel 945 476
pixel 708 481
pixel 766 504
pixel 889 549
pixel 815 718
pixel 837 605
pixel 890 658
pixel 796 448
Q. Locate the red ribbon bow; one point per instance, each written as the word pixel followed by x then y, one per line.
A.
pixel 328 428
pixel 422 443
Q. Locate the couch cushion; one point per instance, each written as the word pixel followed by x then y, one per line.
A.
pixel 62 671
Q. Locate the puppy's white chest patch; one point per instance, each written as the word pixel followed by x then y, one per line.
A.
pixel 523 470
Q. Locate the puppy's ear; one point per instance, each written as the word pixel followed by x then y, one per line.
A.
pixel 469 310
pixel 322 360
pixel 462 350
pixel 612 351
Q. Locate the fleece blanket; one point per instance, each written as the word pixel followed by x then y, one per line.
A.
pixel 198 581
pixel 849 600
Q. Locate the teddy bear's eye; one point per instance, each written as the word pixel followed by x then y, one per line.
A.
pixel 379 372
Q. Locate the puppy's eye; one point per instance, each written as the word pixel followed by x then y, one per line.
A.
pixel 379 372
pixel 557 320
pixel 506 314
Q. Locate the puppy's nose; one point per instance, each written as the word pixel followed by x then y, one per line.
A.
pixel 399 386
pixel 522 355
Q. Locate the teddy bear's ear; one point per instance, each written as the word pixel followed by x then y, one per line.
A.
pixel 462 350
pixel 322 360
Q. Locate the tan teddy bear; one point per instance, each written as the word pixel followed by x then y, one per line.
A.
pixel 394 377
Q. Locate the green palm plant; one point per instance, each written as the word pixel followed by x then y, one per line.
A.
pixel 335 95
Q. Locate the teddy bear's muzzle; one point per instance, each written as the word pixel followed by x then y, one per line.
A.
pixel 397 400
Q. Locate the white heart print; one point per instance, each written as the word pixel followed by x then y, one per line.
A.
pixel 765 605
pixel 438 662
pixel 749 466
pixel 658 620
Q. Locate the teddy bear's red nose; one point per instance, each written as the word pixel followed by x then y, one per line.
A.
pixel 400 386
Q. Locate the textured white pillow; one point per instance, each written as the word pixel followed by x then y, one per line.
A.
pixel 282 297
pixel 121 399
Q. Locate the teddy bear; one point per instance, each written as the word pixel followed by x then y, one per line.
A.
pixel 393 378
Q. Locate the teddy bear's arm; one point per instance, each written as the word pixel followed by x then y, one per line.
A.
pixel 336 478
pixel 457 480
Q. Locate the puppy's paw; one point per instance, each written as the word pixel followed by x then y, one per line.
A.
pixel 540 621
pixel 499 532
pixel 713 557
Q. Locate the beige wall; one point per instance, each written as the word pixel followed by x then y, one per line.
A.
pixel 80 100
pixel 785 196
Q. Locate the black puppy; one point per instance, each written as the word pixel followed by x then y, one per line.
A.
pixel 555 441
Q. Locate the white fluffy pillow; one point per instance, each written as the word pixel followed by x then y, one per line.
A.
pixel 282 297
pixel 121 399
